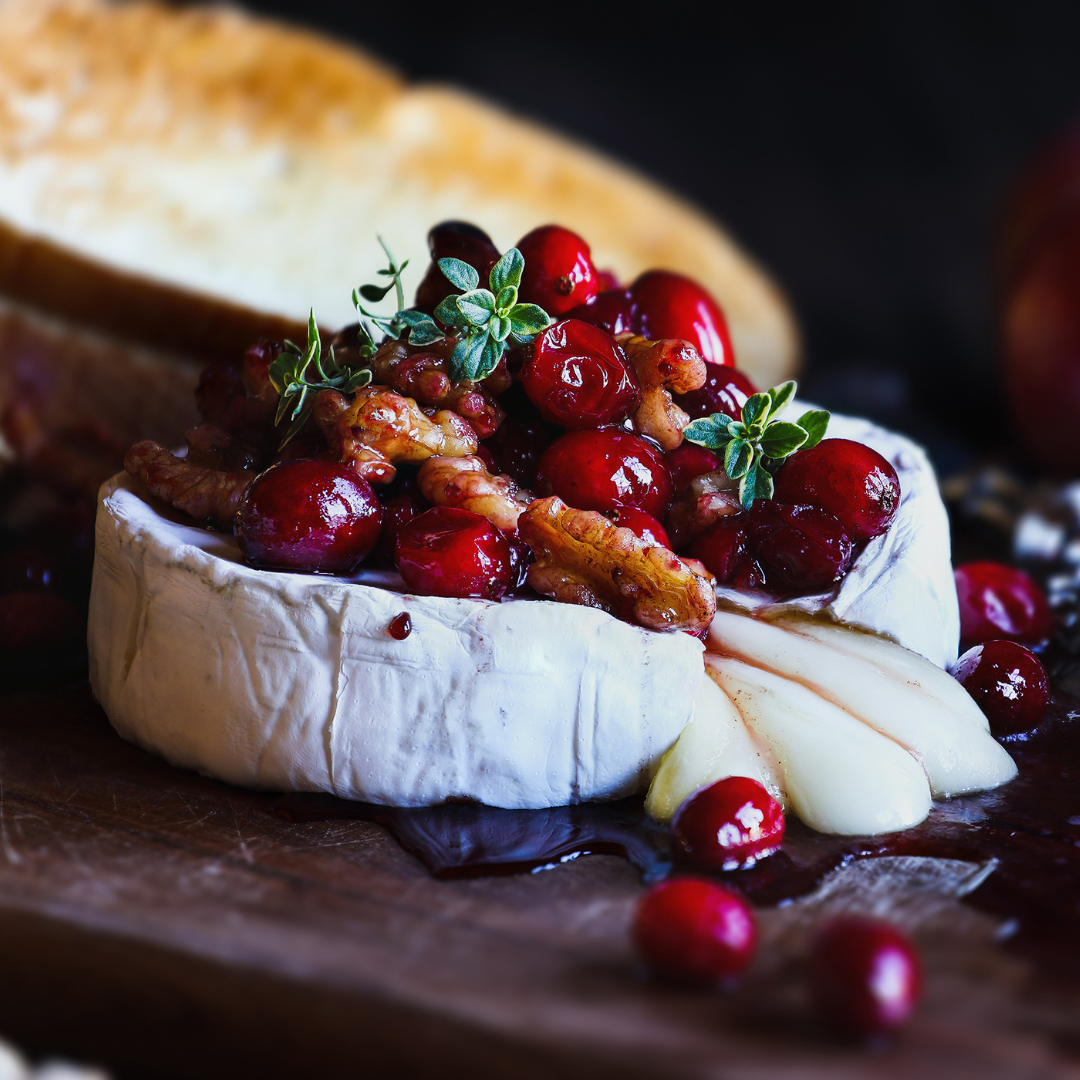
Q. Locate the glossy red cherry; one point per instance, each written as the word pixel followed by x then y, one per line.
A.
pixel 310 515
pixel 851 481
pixel 610 310
pixel 864 976
pixel 802 548
pixel 723 548
pixel 692 931
pixel 454 240
pixel 687 462
pixel 644 526
pixel 1007 682
pixel 578 376
pixel 669 305
pixel 451 552
pixel 397 510
pixel 999 601
pixel 603 469
pixel 724 390
pixel 38 620
pixel 727 825
pixel 559 272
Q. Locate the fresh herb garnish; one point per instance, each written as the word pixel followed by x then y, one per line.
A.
pixel 487 319
pixel 296 373
pixel 758 444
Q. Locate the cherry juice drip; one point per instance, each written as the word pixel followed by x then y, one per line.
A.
pixel 1030 828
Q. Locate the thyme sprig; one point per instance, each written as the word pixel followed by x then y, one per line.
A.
pixel 487 320
pixel 756 445
pixel 296 373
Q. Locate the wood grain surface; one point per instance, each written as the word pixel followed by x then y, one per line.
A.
pixel 166 925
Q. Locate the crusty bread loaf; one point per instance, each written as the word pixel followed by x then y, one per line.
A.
pixel 186 179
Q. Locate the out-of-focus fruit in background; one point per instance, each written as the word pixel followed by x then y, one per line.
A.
pixel 1037 272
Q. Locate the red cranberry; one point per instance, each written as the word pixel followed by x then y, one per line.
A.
pixel 802 548
pixel 668 305
pixel 400 626
pixel 578 376
pixel 687 462
pixel 1007 682
pixel 454 240
pixel 26 569
pixel 723 548
pixel 451 552
pixel 644 526
pixel 37 620
pixel 851 481
pixel 559 273
pixel 603 469
pixel 607 280
pixel 516 447
pixel 725 390
pixel 611 310
pixel 692 931
pixel 311 515
pixel 397 510
pixel 999 601
pixel 864 976
pixel 727 825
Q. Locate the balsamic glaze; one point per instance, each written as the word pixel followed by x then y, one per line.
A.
pixel 1030 828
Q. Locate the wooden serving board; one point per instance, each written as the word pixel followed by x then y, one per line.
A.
pixel 166 925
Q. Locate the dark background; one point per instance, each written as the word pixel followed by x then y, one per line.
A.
pixel 859 150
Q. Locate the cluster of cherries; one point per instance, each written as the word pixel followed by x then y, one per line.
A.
pixel 566 433
pixel 1003 616
pixel 864 973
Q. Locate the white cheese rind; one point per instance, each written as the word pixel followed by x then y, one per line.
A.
pixel 292 682
pixel 901 585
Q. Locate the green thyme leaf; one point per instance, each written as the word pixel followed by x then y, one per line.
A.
pixel 756 484
pixel 529 319
pixel 499 327
pixel 780 395
pixel 466 359
pixel 426 333
pixel 756 410
pixel 476 306
pixel 373 292
pixel 506 299
pixel 460 274
pixel 712 432
pixel 506 273
pixel 448 313
pixel 738 457
pixel 489 358
pixel 814 424
pixel 781 439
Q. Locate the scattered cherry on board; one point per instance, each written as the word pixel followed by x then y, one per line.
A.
pixel 728 825
pixel 999 601
pixel 446 551
pixel 578 376
pixel 605 468
pixel 692 931
pixel 865 977
pixel 852 482
pixel 310 515
pixel 1008 683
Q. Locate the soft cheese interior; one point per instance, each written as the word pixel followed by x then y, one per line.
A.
pixel 292 682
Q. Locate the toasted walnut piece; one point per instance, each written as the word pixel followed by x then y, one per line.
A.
pixel 424 376
pixel 465 482
pixel 379 429
pixel 663 368
pixel 206 494
pixel 582 558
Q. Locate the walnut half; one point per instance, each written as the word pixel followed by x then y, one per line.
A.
pixel 663 368
pixel 465 482
pixel 582 558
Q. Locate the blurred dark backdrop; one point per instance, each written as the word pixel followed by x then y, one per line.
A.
pixel 860 150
